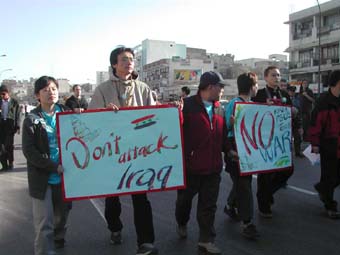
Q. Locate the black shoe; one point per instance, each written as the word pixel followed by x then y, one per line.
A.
pixel 231 212
pixel 147 249
pixel 182 231
pixel 116 237
pixel 10 166
pixel 249 231
pixel 322 198
pixel 59 244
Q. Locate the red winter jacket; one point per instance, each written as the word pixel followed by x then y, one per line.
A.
pixel 204 142
pixel 325 125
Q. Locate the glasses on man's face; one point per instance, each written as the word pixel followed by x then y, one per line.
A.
pixel 3 94
pixel 128 59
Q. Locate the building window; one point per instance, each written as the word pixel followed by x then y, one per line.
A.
pixel 330 54
pixel 305 57
pixel 332 21
pixel 302 29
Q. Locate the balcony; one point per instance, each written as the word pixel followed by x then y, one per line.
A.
pixel 298 65
pixel 329 61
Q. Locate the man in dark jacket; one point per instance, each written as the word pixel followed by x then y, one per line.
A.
pixel 306 106
pixel 269 183
pixel 9 125
pixel 204 133
pixel 325 139
pixel 76 102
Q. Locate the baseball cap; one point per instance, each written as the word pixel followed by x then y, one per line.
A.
pixel 211 78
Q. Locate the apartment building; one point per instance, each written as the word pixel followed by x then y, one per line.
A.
pixel 167 76
pixel 306 28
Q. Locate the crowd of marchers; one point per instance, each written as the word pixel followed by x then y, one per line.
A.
pixel 208 133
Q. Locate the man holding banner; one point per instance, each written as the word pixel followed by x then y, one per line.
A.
pixel 240 202
pixel 124 90
pixel 204 132
pixel 269 183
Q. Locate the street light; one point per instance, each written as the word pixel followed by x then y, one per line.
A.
pixel 319 35
pixel 3 55
pixel 5 70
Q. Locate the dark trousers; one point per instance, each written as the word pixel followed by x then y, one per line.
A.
pixel 306 118
pixel 142 217
pixel 241 196
pixel 267 185
pixel 207 188
pixel 297 141
pixel 6 142
pixel 329 180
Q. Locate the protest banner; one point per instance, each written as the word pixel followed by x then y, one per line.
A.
pixel 131 151
pixel 263 135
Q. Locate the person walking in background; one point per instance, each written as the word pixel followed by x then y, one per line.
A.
pixel 269 183
pixel 76 102
pixel 240 203
pixel 296 121
pixel 324 136
pixel 283 84
pixel 204 133
pixel 185 92
pixel 40 147
pixel 124 90
pixel 9 125
pixel 306 106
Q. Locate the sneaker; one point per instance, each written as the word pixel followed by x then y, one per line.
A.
pixel 266 213
pixel 333 214
pixel 116 237
pixel 208 248
pixel 231 212
pixel 147 249
pixel 249 231
pixel 182 231
pixel 59 244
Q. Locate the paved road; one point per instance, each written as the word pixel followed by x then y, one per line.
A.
pixel 299 225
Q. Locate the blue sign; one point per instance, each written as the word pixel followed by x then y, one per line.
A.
pixel 111 153
pixel 263 135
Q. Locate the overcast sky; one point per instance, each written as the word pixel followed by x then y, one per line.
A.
pixel 73 38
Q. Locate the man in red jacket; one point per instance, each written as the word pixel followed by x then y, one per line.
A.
pixel 204 132
pixel 324 134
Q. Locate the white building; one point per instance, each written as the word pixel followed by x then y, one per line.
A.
pixel 102 76
pixel 153 50
pixel 304 31
pixel 64 86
